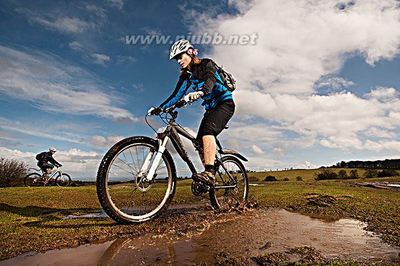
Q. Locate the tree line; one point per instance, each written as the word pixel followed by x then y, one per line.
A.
pixel 379 164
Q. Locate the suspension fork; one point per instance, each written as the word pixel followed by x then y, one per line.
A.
pixel 161 148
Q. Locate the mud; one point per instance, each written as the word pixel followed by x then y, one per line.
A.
pixel 254 237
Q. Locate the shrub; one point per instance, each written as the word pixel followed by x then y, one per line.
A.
pixel 253 178
pixel 299 178
pixel 387 173
pixel 353 174
pixel 342 174
pixel 286 179
pixel 326 174
pixel 370 173
pixel 270 178
pixel 12 172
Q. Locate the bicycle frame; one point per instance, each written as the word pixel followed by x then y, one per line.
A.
pixel 172 133
pixel 50 176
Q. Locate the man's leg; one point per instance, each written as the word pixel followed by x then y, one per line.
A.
pixel 208 159
pixel 209 146
pixel 212 124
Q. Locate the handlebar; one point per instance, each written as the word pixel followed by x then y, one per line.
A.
pixel 170 111
pixel 179 104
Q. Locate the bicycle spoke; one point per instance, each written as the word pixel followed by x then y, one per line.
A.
pixel 130 152
pixel 234 176
pixel 128 164
pixel 133 173
pixel 136 196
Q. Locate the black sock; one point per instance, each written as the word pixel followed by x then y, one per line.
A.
pixel 210 168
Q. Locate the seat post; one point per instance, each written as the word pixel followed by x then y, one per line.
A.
pixel 218 144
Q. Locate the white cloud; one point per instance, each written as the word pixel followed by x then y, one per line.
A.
pixel 56 86
pixel 64 24
pixel 75 46
pixel 125 59
pixel 116 3
pixel 100 59
pixel 256 149
pixel 98 11
pixel 32 129
pixel 383 94
pixel 107 141
pixel 300 48
pixel 333 83
pixel 62 21
pixel 393 145
pixel 380 133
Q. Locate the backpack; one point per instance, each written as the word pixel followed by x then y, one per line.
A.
pixel 228 80
pixel 40 156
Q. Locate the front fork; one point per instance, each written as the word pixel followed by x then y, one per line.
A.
pixel 157 158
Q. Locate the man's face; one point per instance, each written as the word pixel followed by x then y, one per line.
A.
pixel 183 60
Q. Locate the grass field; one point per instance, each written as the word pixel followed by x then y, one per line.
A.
pixel 31 219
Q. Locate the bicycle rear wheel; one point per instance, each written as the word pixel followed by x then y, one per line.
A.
pixel 33 180
pixel 230 173
pixel 124 192
pixel 63 180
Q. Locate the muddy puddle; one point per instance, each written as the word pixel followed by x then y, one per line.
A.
pixel 247 236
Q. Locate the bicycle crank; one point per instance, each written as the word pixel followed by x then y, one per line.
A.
pixel 199 188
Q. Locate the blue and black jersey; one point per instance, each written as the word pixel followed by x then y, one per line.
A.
pixel 204 77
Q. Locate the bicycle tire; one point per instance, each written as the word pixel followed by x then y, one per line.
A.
pixel 105 187
pixel 66 180
pixel 33 180
pixel 222 199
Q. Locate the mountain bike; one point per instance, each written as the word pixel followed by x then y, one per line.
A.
pixel 39 178
pixel 136 179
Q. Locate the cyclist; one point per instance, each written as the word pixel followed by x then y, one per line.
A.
pixel 199 78
pixel 46 162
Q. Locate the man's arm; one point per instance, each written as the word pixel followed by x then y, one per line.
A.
pixel 54 162
pixel 180 90
pixel 209 76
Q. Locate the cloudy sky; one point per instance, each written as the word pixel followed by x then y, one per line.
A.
pixel 320 84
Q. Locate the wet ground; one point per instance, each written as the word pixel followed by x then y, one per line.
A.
pixel 385 185
pixel 254 237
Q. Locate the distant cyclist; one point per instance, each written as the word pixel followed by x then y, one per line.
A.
pixel 46 162
pixel 200 79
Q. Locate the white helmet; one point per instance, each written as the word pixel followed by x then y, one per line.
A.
pixel 52 149
pixel 178 47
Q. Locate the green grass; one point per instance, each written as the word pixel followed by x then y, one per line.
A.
pixel 306 174
pixel 31 219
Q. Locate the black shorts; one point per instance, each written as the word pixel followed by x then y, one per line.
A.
pixel 215 120
pixel 45 166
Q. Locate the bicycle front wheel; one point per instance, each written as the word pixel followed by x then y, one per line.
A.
pixel 33 180
pixel 232 186
pixel 63 180
pixel 123 187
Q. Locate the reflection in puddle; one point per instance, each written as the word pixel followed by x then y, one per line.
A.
pixel 251 234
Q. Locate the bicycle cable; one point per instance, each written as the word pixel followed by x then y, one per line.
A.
pixel 148 123
pixel 164 118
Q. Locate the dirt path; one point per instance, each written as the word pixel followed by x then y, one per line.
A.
pixel 197 236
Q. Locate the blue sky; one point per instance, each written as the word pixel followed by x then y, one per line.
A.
pixel 313 90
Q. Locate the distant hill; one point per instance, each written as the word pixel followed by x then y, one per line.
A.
pixel 381 164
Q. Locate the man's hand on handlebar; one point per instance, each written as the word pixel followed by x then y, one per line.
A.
pixel 188 98
pixel 193 96
pixel 154 111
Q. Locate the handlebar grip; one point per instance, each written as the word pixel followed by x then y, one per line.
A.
pixel 180 103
